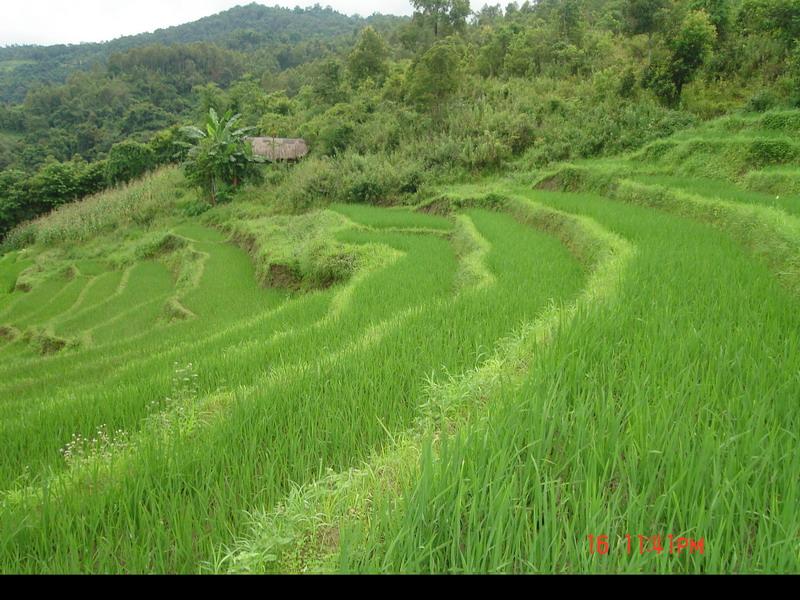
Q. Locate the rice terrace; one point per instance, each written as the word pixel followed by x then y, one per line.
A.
pixel 522 297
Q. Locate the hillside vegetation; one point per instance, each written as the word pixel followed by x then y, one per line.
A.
pixel 279 32
pixel 397 104
pixel 511 315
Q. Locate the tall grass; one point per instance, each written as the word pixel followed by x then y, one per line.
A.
pixel 650 417
pixel 397 328
pixel 476 387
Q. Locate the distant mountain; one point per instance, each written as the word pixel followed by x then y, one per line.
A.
pixel 242 28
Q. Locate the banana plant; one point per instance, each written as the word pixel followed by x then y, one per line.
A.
pixel 221 158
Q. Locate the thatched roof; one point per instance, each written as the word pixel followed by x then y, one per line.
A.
pixel 275 149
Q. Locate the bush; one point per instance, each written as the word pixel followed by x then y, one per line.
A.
pixel 761 153
pixel 782 121
pixel 336 138
pixel 19 237
pixel 195 207
pixel 55 184
pixel 762 101
pixel 127 161
pixel 485 152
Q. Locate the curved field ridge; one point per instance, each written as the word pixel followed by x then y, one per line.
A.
pixel 301 533
pixel 768 232
pixel 310 362
pixel 671 411
pixel 474 385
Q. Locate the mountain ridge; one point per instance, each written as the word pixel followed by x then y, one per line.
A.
pixel 243 27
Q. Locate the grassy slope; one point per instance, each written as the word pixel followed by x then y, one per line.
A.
pixel 472 393
pixel 313 365
pixel 650 417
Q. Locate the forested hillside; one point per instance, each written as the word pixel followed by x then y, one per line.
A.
pixel 280 33
pixel 450 91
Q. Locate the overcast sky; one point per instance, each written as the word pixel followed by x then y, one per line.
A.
pixel 75 21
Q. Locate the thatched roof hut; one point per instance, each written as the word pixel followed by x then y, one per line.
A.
pixel 277 149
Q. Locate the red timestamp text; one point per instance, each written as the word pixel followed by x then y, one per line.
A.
pixel 646 544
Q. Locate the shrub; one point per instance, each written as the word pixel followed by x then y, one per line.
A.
pixel 195 207
pixel 762 101
pixel 771 152
pixel 336 138
pixel 782 121
pixel 127 161
pixel 222 158
pixel 486 152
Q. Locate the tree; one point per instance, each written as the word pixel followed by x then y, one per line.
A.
pixel 689 50
pixel 692 47
pixel 368 59
pixel 569 20
pixel 55 183
pixel 778 18
pixel 644 17
pixel 14 196
pixel 489 15
pixel 719 11
pixel 222 157
pixel 129 160
pixel 493 53
pixel 326 85
pixel 442 15
pixel 437 75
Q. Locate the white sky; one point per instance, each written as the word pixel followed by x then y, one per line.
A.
pixel 74 21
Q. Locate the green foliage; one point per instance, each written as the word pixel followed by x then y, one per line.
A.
pixel 271 31
pixel 368 58
pixel 436 76
pixel 761 153
pixel 780 18
pixel 644 16
pixel 690 48
pixel 328 82
pixel 129 160
pixel 222 158
pixel 719 13
pixel 762 101
pixel 441 17
pixel 336 137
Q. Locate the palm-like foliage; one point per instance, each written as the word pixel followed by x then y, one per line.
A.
pixel 221 158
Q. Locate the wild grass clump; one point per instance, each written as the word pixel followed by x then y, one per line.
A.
pixel 19 237
pixel 778 181
pixel 763 153
pixel 297 252
pixel 785 121
pixel 351 178
pixel 158 245
pixel 138 203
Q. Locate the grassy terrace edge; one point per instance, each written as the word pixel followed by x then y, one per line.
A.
pixel 302 533
pixel 770 234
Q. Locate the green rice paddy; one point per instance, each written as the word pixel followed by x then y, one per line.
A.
pixel 477 384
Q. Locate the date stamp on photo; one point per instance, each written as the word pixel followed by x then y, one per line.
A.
pixel 646 544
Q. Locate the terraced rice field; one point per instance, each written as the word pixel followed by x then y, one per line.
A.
pixel 477 384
